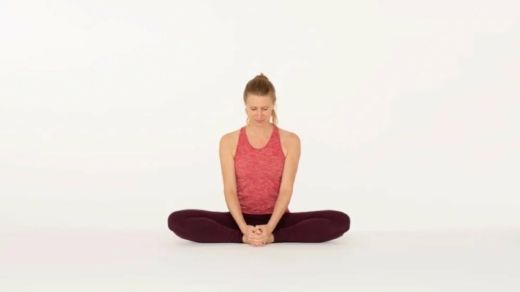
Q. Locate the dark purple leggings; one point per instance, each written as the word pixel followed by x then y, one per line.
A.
pixel 220 227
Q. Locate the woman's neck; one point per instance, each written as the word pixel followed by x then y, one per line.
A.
pixel 260 130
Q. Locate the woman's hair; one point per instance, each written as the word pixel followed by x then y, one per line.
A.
pixel 260 85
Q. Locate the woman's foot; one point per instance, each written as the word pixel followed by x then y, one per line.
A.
pixel 269 240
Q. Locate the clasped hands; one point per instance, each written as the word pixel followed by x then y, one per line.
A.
pixel 258 235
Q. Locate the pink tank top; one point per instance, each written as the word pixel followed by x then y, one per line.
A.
pixel 259 173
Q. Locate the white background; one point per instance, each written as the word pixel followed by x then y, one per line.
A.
pixel 111 111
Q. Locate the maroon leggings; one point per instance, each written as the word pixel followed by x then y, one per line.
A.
pixel 220 227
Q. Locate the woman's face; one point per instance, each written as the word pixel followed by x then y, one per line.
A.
pixel 259 109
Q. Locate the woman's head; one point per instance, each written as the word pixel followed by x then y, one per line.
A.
pixel 260 100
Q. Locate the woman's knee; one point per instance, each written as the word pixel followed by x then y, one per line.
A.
pixel 342 220
pixel 175 219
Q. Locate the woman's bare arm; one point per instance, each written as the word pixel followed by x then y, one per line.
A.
pixel 228 176
pixel 289 175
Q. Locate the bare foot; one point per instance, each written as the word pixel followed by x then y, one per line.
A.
pixel 258 232
pixel 244 237
pixel 270 239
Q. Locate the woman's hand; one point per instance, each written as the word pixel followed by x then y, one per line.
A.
pixel 262 235
pixel 251 234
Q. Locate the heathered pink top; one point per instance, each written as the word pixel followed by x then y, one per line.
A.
pixel 259 173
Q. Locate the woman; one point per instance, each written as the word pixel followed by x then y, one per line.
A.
pixel 259 164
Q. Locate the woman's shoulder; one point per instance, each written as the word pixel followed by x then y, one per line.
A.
pixel 230 138
pixel 290 141
pixel 288 137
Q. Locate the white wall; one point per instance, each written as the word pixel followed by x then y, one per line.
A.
pixel 111 111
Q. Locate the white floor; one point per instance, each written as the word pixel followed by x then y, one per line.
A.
pixel 107 260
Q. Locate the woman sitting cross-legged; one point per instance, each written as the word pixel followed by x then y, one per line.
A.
pixel 259 163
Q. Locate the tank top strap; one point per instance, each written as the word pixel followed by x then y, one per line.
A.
pixel 274 140
pixel 242 140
